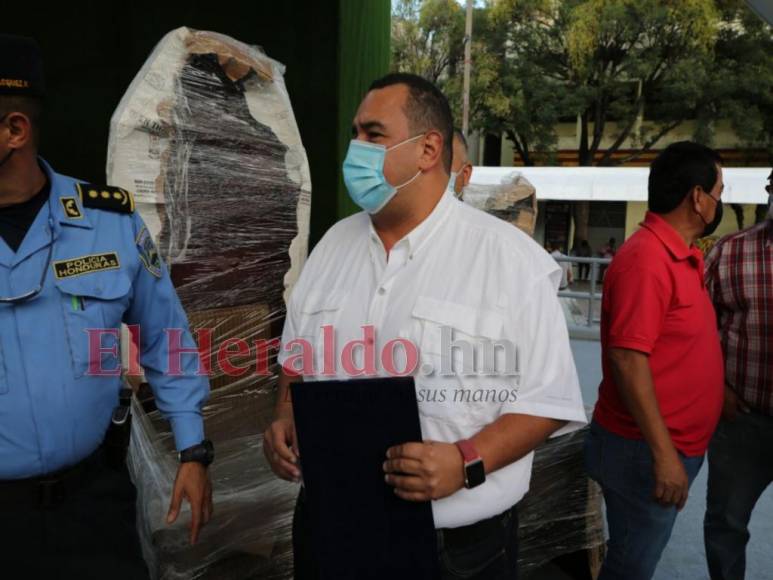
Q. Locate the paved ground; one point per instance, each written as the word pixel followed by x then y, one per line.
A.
pixel 684 558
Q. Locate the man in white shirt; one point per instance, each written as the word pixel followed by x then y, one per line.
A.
pixel 419 266
pixel 567 276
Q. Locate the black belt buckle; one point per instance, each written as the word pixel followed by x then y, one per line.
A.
pixel 51 493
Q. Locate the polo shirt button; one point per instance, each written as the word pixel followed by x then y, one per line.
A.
pixel 382 290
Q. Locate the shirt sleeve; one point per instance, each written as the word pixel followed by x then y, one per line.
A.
pixel 290 329
pixel 548 385
pixel 156 309
pixel 636 301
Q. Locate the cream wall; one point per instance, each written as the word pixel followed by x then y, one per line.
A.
pixel 635 211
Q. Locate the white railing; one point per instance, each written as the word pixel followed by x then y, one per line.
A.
pixel 590 295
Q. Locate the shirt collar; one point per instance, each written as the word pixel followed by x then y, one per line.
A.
pixel 670 238
pixel 416 238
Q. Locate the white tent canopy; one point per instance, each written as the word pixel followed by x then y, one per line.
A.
pixel 742 185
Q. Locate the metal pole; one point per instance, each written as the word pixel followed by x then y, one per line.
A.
pixel 467 65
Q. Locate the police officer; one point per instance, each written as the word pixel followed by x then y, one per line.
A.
pixel 75 257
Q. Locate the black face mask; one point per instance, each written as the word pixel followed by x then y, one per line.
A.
pixel 712 227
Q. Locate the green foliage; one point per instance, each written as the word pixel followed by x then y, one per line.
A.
pixel 629 70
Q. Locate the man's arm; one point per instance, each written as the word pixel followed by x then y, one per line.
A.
pixel 632 375
pixel 732 403
pixel 548 400
pixel 179 396
pixel 280 442
pixel 433 470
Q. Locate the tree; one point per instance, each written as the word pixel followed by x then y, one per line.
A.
pixel 606 63
pixel 628 71
pixel 428 38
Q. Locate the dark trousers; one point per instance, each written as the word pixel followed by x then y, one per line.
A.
pixel 90 533
pixel 584 271
pixel 740 469
pixel 639 526
pixel 487 550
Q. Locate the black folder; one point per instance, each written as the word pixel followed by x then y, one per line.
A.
pixel 360 529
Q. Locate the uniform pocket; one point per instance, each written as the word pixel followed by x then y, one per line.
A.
pixel 90 304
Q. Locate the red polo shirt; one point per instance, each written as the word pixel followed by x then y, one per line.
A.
pixel 655 302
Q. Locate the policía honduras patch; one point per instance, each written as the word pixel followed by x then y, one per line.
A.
pixel 148 253
pixel 86 265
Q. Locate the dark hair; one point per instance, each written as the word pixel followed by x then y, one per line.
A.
pixel 32 107
pixel 677 170
pixel 426 108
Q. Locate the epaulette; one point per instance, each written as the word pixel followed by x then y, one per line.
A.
pixel 105 197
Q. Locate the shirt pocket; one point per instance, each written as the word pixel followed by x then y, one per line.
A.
pixel 93 302
pixel 318 310
pixel 457 342
pixel 684 319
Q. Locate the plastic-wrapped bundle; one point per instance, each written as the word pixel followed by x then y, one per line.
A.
pixel 514 200
pixel 206 138
pixel 561 513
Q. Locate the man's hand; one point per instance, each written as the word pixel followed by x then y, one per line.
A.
pixel 281 449
pixel 732 405
pixel 671 483
pixel 193 483
pixel 424 471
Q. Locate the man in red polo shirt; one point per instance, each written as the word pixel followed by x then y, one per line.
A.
pixel 663 375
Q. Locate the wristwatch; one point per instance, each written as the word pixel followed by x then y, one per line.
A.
pixel 203 453
pixel 474 473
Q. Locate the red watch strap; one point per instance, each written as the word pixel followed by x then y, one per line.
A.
pixel 469 452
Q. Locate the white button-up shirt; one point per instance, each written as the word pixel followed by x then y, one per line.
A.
pixel 460 271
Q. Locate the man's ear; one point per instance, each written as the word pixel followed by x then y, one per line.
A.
pixel 466 174
pixel 20 128
pixel 433 150
pixel 696 193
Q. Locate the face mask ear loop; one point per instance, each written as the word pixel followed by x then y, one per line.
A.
pixel 398 145
pixel 411 180
pixel 404 142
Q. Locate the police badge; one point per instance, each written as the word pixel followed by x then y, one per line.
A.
pixel 148 253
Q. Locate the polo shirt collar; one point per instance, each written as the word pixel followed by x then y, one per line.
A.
pixel 670 238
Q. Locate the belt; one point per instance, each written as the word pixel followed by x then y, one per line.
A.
pixel 479 531
pixel 49 491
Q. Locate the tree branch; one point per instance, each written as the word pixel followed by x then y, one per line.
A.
pixel 649 144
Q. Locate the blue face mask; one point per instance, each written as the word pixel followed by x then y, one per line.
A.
pixel 364 174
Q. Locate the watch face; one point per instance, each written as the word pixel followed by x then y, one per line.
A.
pixel 475 474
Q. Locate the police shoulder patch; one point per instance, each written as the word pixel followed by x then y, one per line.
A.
pixel 105 197
pixel 148 253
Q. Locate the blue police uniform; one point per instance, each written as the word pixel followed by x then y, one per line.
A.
pixel 101 269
